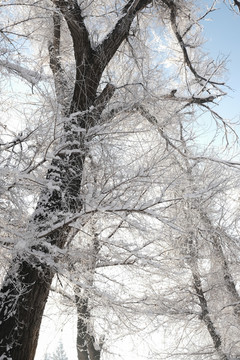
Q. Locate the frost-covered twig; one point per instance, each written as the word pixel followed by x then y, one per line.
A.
pixel 33 77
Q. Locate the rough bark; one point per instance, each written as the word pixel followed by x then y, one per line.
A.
pixel 26 286
pixel 24 295
pixel 59 76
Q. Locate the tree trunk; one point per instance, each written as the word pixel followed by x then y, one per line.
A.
pixel 26 287
pixel 87 347
pixel 26 293
pixel 205 313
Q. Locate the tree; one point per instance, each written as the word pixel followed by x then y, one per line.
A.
pixel 60 353
pixel 94 102
pixel 207 287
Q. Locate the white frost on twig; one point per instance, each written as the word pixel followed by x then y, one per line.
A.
pixel 33 77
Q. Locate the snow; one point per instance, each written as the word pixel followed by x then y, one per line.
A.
pixel 33 77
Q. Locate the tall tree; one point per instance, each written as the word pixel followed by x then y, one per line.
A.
pixel 27 283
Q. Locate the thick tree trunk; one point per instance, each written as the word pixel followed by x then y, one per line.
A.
pixel 26 287
pixel 20 327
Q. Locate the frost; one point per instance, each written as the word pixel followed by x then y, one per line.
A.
pixel 33 77
pixel 4 357
pixel 20 245
pixel 132 224
pixel 52 186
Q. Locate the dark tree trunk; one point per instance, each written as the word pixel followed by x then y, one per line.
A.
pixel 26 287
pixel 20 328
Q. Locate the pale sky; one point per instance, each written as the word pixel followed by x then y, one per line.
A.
pixel 223 35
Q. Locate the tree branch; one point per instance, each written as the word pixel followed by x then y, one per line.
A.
pixel 75 21
pixel 216 233
pixel 173 19
pixel 100 104
pixel 33 77
pixel 203 303
pixel 205 315
pixel 55 62
pixel 90 63
pixel 153 120
pixel 113 40
pixel 237 3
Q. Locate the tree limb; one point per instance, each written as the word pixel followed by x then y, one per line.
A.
pixel 100 104
pixel 59 75
pixel 205 314
pixel 173 19
pixel 114 39
pixel 237 3
pixel 33 77
pixel 153 120
pixel 75 21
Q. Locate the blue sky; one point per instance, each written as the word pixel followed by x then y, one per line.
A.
pixel 223 38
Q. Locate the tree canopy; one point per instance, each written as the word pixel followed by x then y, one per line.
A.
pixel 109 206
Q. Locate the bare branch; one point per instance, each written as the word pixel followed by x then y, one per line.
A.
pixel 153 120
pixel 33 77
pixel 173 18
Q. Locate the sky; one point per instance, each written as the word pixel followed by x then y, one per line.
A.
pixel 222 33
pixel 221 29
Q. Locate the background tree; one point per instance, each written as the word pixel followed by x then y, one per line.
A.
pixel 60 353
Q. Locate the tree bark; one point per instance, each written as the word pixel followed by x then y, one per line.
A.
pixel 20 327
pixel 87 347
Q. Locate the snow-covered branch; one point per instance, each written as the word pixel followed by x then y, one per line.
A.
pixel 33 77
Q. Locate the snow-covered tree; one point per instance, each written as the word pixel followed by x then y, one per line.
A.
pixel 47 357
pixel 113 85
pixel 59 353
